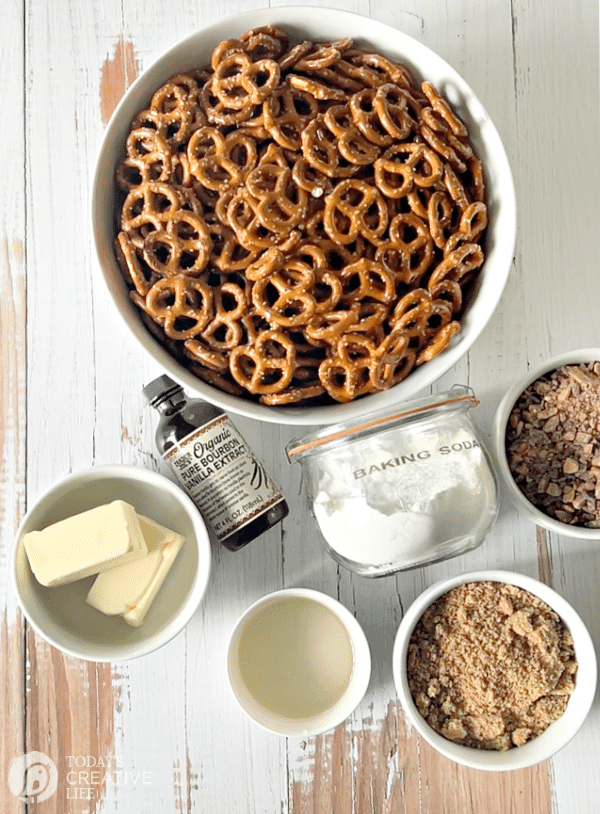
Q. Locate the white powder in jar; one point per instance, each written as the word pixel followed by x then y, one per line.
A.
pixel 401 498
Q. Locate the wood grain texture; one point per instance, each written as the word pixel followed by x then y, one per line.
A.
pixel 401 774
pixel 13 389
pixel 117 75
pixel 72 397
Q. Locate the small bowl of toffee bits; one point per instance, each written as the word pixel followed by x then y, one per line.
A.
pixel 494 669
pixel 547 435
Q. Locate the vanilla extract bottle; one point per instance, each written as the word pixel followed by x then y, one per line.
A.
pixel 214 465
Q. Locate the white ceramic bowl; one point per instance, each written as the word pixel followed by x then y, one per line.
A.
pixel 318 24
pixel 558 733
pixel 61 615
pixel 574 357
pixel 338 711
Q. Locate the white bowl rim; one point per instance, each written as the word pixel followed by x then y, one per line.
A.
pixel 423 376
pixel 543 746
pixel 359 642
pixel 501 419
pixel 199 586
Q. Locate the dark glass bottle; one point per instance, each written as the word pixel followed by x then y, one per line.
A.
pixel 214 465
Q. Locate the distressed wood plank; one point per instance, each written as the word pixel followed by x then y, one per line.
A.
pixel 13 350
pixel 71 703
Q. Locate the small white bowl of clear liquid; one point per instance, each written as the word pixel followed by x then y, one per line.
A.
pixel 298 662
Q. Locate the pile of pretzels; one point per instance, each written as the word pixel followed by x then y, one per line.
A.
pixel 300 224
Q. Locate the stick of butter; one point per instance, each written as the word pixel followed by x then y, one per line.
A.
pixel 85 544
pixel 129 589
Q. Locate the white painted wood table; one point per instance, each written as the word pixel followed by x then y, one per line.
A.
pixel 71 397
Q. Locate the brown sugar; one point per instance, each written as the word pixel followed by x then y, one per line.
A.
pixel 490 665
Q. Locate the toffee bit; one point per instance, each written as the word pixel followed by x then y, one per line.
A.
pixel 553 441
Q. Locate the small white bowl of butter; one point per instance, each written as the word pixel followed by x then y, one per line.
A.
pixel 125 559
pixel 298 662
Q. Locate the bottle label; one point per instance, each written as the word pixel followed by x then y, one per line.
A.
pixel 216 468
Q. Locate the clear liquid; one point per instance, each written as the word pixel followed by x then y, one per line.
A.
pixel 295 657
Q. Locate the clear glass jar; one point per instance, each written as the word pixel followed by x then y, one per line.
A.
pixel 400 491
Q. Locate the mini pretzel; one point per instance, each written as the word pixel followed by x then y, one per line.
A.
pixel 175 110
pixel 266 42
pixel 291 302
pixel 225 330
pixel 347 208
pixel 183 247
pixel 337 77
pixel 211 359
pixel 173 126
pixel 266 265
pixel 227 253
pixel 390 103
pixel 265 367
pixel 293 395
pixel 220 162
pixel 149 158
pixel 139 274
pixel 329 326
pixel 478 183
pixel 281 204
pixel 144 141
pixel 289 60
pixel 440 211
pixel 311 179
pixel 404 165
pixel 250 232
pixel 370 317
pixel 317 89
pixel 438 134
pixel 319 57
pixel 394 360
pixel 181 305
pixel 440 342
pixel 238 81
pixel 383 69
pixel 411 316
pixel 219 113
pixel 409 250
pixel 457 264
pixel 472 225
pixel 444 111
pixel 455 188
pixel 368 280
pixel 222 50
pixel 352 145
pixel 327 290
pixel 286 113
pixel 348 372
pixel 319 148
pixel 367 119
pixel 147 208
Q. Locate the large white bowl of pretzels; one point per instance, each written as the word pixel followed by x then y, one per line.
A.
pixel 303 214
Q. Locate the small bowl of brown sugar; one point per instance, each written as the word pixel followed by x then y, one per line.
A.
pixel 547 435
pixel 494 669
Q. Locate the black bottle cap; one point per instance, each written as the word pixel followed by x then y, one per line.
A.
pixel 160 389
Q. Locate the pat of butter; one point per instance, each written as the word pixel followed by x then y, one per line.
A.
pixel 85 544
pixel 129 590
